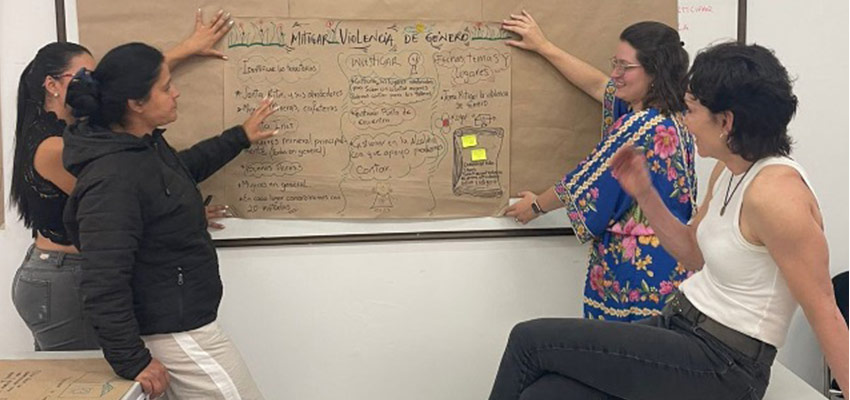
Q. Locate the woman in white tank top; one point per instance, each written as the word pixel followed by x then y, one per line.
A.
pixel 757 242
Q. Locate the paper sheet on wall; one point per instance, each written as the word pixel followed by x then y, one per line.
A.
pixel 553 124
pixel 371 118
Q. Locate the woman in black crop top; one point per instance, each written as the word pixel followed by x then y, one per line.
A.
pixel 45 289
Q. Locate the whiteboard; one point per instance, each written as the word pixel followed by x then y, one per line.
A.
pixel 701 23
pixel 706 22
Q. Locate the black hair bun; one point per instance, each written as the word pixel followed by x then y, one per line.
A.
pixel 83 94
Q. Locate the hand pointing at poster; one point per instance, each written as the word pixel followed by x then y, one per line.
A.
pixel 254 127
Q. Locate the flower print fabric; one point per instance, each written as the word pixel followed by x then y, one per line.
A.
pixel 630 276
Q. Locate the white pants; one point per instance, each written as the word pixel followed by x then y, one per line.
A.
pixel 203 364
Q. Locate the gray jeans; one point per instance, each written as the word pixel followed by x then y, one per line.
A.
pixel 46 293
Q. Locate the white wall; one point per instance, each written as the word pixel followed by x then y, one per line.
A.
pixel 19 40
pixel 810 38
pixel 391 321
pixel 428 320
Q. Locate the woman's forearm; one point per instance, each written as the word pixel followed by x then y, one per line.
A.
pixel 549 201
pixel 176 55
pixel 581 74
pixel 831 332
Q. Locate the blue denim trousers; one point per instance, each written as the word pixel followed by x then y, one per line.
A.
pixel 663 357
pixel 46 293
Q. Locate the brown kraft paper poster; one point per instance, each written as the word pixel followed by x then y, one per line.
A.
pixel 553 125
pixel 377 118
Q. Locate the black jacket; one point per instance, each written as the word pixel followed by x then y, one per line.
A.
pixel 137 217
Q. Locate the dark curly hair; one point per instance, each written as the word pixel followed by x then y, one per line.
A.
pixel 126 72
pixel 660 51
pixel 749 81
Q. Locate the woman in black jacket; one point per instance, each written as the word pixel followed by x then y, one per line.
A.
pixel 45 288
pixel 150 272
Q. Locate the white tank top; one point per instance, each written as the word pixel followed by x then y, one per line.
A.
pixel 740 285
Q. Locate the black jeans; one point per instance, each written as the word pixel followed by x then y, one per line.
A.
pixel 664 357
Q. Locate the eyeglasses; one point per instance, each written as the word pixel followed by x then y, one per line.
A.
pixel 70 75
pixel 620 66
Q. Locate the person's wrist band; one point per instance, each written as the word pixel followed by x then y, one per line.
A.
pixel 536 208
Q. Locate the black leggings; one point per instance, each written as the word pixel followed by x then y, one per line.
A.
pixel 658 358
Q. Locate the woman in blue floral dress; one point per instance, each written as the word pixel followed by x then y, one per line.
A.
pixel 630 276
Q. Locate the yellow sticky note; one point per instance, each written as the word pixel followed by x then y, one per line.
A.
pixel 469 141
pixel 479 154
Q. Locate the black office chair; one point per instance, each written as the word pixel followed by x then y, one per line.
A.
pixel 839 284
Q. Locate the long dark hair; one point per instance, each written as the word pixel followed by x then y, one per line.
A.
pixel 749 81
pixel 661 53
pixel 127 72
pixel 51 60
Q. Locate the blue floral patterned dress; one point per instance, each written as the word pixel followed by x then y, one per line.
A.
pixel 630 276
